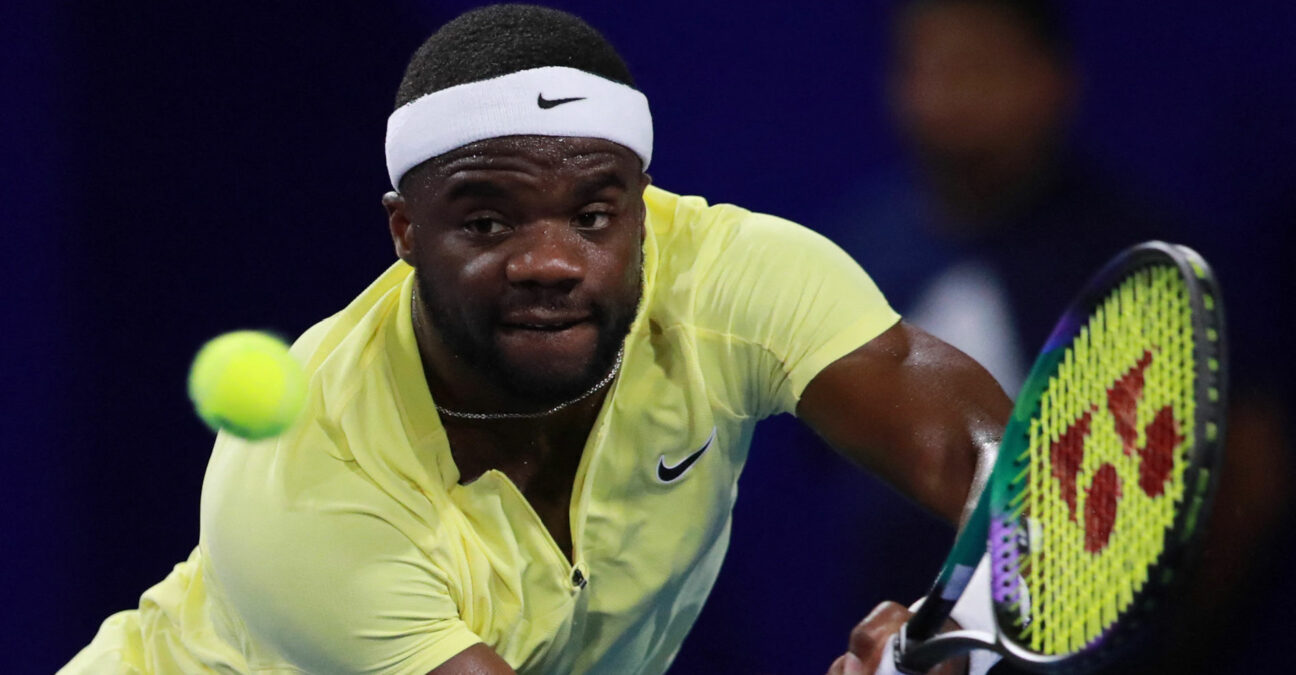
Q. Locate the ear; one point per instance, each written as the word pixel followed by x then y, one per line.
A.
pixel 402 230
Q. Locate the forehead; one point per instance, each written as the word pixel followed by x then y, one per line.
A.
pixel 537 156
pixel 964 26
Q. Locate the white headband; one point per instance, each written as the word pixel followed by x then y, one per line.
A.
pixel 551 101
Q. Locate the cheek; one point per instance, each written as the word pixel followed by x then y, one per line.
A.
pixel 634 270
pixel 624 258
pixel 477 270
pixel 454 269
pixel 613 274
pixel 631 278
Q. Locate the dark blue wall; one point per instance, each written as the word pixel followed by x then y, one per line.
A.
pixel 173 171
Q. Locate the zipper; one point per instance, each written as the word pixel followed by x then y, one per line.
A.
pixel 575 573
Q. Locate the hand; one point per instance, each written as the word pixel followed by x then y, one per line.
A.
pixel 869 642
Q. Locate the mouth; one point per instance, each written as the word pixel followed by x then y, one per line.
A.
pixel 549 338
pixel 546 323
pixel 545 328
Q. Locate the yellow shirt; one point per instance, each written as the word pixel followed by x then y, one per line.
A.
pixel 348 544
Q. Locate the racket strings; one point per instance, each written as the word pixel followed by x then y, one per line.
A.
pixel 1106 456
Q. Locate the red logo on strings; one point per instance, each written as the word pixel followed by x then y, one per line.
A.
pixel 1156 457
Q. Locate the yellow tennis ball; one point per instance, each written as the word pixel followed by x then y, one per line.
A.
pixel 248 384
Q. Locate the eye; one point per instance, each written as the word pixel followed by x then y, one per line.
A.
pixel 485 225
pixel 593 220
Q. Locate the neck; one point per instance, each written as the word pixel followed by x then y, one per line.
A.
pixel 539 454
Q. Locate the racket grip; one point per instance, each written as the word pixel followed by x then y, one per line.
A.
pixel 931 615
pixel 969 549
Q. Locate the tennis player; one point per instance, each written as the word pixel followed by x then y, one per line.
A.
pixel 523 439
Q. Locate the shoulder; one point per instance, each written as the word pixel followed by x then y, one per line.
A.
pixel 343 337
pixel 709 241
pixel 758 295
pixel 682 226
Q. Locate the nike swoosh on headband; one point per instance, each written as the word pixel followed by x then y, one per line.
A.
pixel 670 474
pixel 546 104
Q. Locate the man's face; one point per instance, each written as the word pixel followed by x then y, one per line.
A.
pixel 970 82
pixel 528 256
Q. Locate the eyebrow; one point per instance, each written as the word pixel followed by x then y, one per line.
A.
pixel 602 181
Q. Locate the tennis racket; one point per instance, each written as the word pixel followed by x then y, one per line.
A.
pixel 1104 477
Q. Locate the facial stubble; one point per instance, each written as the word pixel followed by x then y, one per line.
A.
pixel 474 344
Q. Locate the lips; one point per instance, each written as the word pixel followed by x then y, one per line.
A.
pixel 543 327
pixel 556 340
pixel 543 321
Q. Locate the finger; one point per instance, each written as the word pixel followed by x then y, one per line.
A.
pixel 849 664
pixel 870 638
pixel 854 666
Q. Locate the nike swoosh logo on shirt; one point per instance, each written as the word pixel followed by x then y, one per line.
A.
pixel 670 474
pixel 546 104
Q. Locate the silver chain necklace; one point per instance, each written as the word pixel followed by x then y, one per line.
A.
pixel 616 367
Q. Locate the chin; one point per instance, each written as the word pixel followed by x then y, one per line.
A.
pixel 552 378
pixel 549 386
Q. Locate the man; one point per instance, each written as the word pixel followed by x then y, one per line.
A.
pixel 523 439
pixel 1002 215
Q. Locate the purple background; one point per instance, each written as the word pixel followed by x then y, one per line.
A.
pixel 172 172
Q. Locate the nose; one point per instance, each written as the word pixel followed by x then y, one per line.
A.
pixel 549 254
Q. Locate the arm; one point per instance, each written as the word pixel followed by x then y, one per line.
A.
pixel 475 660
pixel 917 412
pixel 927 419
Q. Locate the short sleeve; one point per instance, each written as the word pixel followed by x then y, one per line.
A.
pixel 319 576
pixel 788 301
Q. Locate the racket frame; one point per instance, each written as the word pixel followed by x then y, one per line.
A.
pixel 919 648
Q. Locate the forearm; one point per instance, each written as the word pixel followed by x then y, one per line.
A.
pixel 949 463
pixel 917 412
pixel 981 443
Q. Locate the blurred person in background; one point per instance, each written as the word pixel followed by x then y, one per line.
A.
pixel 999 219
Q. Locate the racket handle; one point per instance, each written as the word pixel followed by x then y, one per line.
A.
pixel 969 547
pixel 931 615
pixel 922 657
